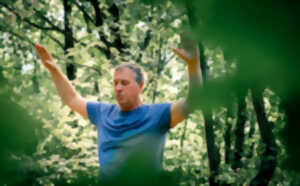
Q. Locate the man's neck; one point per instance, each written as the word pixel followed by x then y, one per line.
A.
pixel 131 108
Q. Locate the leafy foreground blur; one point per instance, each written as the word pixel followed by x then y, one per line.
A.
pixel 18 140
pixel 246 134
pixel 19 136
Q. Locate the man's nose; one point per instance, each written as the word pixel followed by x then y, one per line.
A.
pixel 118 86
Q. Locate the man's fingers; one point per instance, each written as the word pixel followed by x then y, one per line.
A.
pixel 40 49
pixel 42 52
pixel 180 53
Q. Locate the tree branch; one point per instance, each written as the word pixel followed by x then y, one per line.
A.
pixel 144 45
pixel 28 21
pixel 98 13
pixel 68 61
pixel 117 43
pixel 54 27
pixel 54 39
pixel 99 22
pixel 86 16
pixel 4 29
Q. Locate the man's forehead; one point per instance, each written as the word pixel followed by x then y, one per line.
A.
pixel 123 72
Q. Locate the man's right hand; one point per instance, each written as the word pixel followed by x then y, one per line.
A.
pixel 64 87
pixel 45 56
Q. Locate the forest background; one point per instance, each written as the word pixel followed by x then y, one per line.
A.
pixel 244 131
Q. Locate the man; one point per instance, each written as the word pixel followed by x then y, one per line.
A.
pixel 130 126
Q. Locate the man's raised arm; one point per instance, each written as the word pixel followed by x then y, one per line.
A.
pixel 190 55
pixel 63 86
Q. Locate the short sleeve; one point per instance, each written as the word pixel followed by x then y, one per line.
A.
pixel 163 110
pixel 94 111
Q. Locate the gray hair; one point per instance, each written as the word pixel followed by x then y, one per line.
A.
pixel 135 68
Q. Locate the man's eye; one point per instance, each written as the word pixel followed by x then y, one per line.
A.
pixel 124 82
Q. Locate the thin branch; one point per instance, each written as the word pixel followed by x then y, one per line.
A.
pixel 16 34
pixel 85 14
pixel 146 40
pixel 68 61
pixel 172 56
pixel 48 21
pixel 55 56
pixel 54 39
pixel 144 45
pixel 53 28
pixel 25 38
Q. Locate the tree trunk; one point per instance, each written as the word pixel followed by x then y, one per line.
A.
pixel 96 87
pixel 183 135
pixel 35 82
pixel 1 74
pixel 159 67
pixel 212 149
pixel 69 41
pixel 227 136
pixel 269 160
pixel 230 115
pixel 291 131
pixel 239 132
pixel 250 135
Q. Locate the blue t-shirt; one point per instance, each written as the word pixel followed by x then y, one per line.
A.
pixel 121 133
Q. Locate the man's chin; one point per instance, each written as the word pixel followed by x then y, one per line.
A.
pixel 124 106
pixel 120 102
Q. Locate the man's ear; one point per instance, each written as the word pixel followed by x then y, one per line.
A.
pixel 141 85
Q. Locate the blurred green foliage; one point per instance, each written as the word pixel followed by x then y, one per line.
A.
pixel 247 45
pixel 262 38
pixel 18 140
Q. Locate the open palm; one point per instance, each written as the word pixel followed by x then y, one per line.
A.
pixel 188 57
pixel 45 56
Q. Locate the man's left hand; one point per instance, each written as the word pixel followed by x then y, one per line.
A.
pixel 186 56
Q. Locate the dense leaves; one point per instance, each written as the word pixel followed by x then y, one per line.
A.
pixel 249 97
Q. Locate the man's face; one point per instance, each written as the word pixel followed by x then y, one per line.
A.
pixel 126 88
